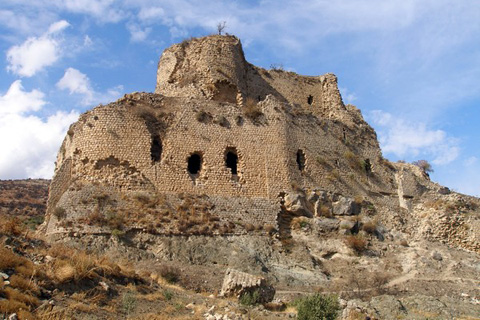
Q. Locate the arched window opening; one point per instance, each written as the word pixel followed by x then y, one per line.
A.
pixel 310 99
pixel 231 160
pixel 194 163
pixel 301 160
pixel 156 149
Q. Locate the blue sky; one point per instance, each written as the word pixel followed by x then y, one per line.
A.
pixel 412 67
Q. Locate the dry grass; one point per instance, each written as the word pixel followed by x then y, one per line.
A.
pixel 23 284
pixel 333 175
pixel 11 226
pixel 299 223
pixel 357 243
pixel 95 218
pixel 11 306
pixel 269 229
pixel 370 226
pixel 10 260
pixel 325 211
pixel 353 160
pixel 15 295
pixel 251 109
pixel 74 265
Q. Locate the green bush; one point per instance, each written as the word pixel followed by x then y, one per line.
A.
pixel 250 298
pixel 318 306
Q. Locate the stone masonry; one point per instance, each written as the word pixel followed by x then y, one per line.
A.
pixel 220 127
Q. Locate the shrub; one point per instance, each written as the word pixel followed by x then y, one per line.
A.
pixel 424 165
pixel 269 229
pixel 129 302
pixel 325 211
pixel 168 295
pixel 203 116
pixel 115 220
pixel 370 226
pixel 300 223
pixel 95 218
pixel 318 306
pixel 59 212
pixel 118 233
pixel 170 274
pixel 277 67
pixel 11 226
pixel 249 298
pixel 357 243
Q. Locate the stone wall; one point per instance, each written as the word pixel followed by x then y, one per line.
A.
pixel 283 132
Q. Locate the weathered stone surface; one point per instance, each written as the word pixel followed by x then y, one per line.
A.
pixel 237 283
pixel 295 203
pixel 345 206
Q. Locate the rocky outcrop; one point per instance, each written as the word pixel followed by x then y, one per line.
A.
pixel 237 283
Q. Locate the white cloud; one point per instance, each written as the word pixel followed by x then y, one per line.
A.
pixel 414 139
pixel 103 10
pixel 32 143
pixel 58 26
pixel 77 82
pixel 17 101
pixel 137 34
pixel 36 53
pixel 348 96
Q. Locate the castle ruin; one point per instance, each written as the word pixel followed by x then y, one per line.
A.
pixel 239 137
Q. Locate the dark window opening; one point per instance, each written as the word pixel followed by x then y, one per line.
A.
pixel 367 165
pixel 231 160
pixel 310 99
pixel 300 160
pixel 194 163
pixel 156 149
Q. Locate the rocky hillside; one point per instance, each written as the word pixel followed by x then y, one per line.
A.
pixel 24 199
pixel 232 180
pixel 401 275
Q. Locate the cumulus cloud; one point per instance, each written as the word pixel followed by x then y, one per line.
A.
pixel 36 53
pixel 18 101
pixel 77 82
pixel 32 142
pixel 414 139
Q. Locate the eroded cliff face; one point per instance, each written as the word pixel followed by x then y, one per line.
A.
pixel 224 148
